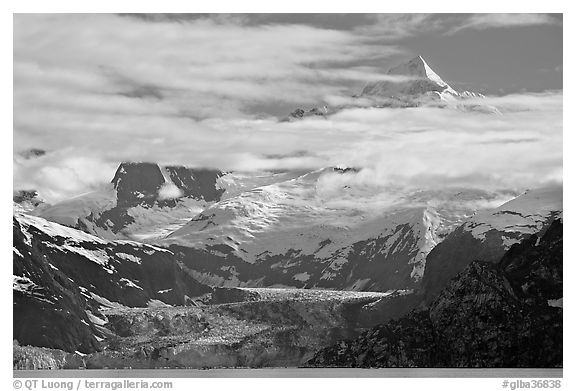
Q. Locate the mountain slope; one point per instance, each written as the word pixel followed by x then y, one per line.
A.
pixel 388 260
pixel 488 235
pixel 422 80
pixel 411 84
pixel 294 233
pixel 422 86
pixel 143 200
pixel 490 315
pixel 146 202
pixel 63 277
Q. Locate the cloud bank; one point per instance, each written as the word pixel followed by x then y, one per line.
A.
pixel 95 90
pixel 399 26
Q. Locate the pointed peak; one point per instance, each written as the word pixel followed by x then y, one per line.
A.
pixel 415 67
pixel 424 63
pixel 419 58
pixel 418 67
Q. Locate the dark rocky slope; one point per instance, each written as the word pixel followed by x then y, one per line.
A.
pixel 62 278
pixel 457 251
pixel 489 234
pixel 503 314
pixel 140 183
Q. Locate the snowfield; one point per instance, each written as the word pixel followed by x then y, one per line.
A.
pixel 55 229
pixel 303 217
pixel 525 214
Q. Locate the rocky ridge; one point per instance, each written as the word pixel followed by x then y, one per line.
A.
pixel 504 314
pixel 64 277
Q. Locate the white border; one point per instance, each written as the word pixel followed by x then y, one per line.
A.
pixel 247 6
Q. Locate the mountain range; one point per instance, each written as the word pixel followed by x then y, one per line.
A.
pixel 178 249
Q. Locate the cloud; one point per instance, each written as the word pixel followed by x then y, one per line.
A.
pixel 487 21
pixel 95 90
pixel 62 174
pixel 413 147
pixel 169 191
pixel 366 74
pixel 394 27
pixel 549 101
pixel 449 148
pixel 201 68
pixel 359 191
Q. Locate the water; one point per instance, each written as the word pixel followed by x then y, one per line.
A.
pixel 297 373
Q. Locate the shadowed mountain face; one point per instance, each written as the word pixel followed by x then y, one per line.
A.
pixel 420 81
pixel 141 183
pixel 196 183
pixel 49 309
pixel 137 183
pixel 64 277
pixel 137 191
pixel 505 314
pixel 489 234
pixel 457 251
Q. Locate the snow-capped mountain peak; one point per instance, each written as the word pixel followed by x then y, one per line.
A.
pixel 410 84
pixel 423 87
pixel 422 81
pixel 418 67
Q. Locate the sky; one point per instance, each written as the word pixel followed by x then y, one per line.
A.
pixel 203 90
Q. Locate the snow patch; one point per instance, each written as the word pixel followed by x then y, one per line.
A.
pixel 105 303
pixel 18 252
pixel 22 284
pixel 130 284
pixel 302 277
pixel 99 257
pixel 94 319
pixel 153 303
pixel 525 214
pixel 55 230
pixel 129 257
